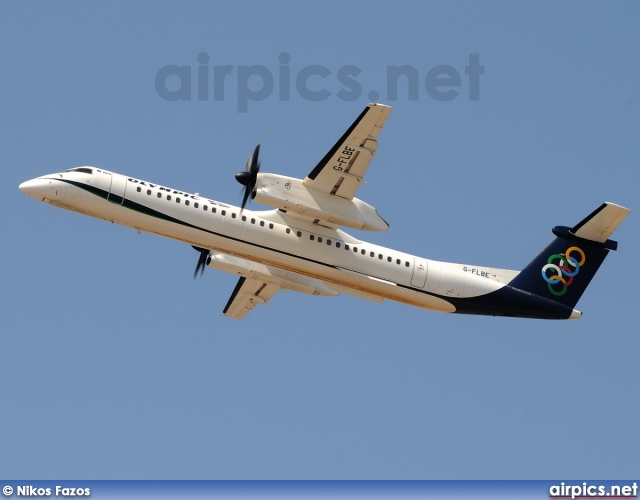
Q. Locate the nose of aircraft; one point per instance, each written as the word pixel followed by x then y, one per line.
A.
pixel 27 186
pixel 38 188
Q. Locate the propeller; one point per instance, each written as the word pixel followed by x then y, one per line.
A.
pixel 249 177
pixel 202 261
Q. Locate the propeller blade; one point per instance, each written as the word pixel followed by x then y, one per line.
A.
pixel 249 177
pixel 245 197
pixel 202 261
pixel 255 164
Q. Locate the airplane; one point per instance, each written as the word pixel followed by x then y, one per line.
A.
pixel 299 244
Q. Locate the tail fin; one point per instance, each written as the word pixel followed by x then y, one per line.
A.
pixel 563 270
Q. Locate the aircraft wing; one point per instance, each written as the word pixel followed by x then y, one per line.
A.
pixel 247 294
pixel 342 169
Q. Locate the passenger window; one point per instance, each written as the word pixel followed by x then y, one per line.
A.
pixel 233 216
pixel 138 189
pixel 363 251
pixel 337 244
pixel 195 205
pixel 389 259
pixel 159 194
pixel 398 261
pixel 319 239
pixel 380 256
pixel 288 231
pixel 244 218
pixel 213 210
pixel 406 264
pixel 177 200
pixel 372 254
pixel 223 212
pixel 148 191
pixel 355 249
pixel 205 207
pixel 270 226
pixel 186 202
pixel 328 242
pixel 253 221
pixel 312 237
pixel 346 247
pixel 262 223
pixel 299 234
pixel 169 197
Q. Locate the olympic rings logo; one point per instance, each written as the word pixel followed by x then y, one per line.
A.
pixel 561 273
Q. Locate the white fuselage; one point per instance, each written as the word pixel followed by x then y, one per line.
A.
pixel 332 260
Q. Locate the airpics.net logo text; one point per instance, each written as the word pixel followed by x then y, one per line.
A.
pixel 590 490
pixel 209 80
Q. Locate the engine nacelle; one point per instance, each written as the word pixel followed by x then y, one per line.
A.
pixel 259 271
pixel 292 195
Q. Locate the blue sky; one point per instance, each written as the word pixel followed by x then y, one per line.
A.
pixel 114 363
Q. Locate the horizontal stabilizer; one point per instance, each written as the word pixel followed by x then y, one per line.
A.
pixel 601 223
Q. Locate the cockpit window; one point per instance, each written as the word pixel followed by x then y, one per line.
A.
pixel 84 170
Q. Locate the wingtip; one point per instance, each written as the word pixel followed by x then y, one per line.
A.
pixel 372 104
pixel 624 209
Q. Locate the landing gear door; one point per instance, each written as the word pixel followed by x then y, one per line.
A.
pixel 419 276
pixel 118 189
